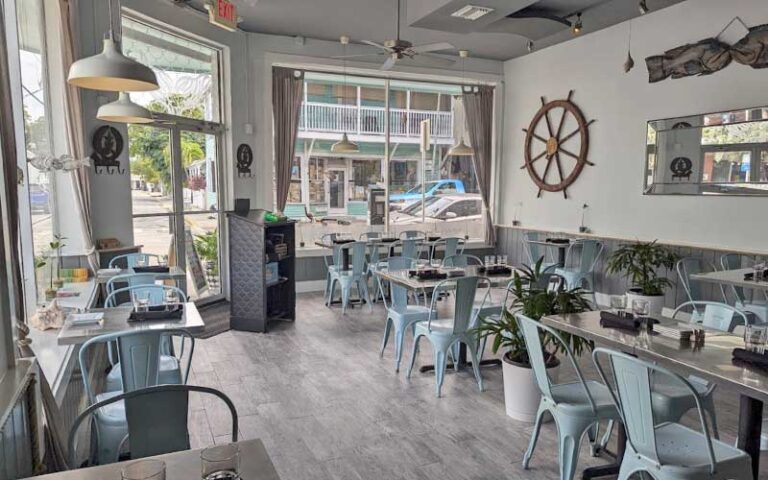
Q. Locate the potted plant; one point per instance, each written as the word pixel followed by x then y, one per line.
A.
pixel 207 247
pixel 56 245
pixel 534 300
pixel 640 262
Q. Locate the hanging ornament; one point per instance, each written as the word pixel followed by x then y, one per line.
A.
pixel 630 63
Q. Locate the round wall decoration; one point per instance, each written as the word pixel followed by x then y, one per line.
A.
pixel 563 144
pixel 244 160
pixel 107 143
pixel 681 167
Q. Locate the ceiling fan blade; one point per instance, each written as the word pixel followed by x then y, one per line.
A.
pixel 433 47
pixel 372 56
pixel 374 44
pixel 389 63
pixel 430 60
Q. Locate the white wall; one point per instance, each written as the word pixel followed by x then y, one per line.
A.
pixel 622 104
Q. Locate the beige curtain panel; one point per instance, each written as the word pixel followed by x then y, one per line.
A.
pixel 478 107
pixel 287 94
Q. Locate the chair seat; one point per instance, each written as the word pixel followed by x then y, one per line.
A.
pixel 571 396
pixel 440 326
pixel 411 313
pixel 113 414
pixel 170 374
pixel 680 446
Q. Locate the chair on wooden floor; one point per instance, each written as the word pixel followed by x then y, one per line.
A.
pixel 580 261
pixel 667 450
pixel 332 261
pixel 130 260
pixel 451 246
pixel 156 420
pixel 576 407
pixel 410 234
pixel 749 301
pixel 400 315
pixel 410 247
pixel 141 365
pixel 356 276
pixel 444 333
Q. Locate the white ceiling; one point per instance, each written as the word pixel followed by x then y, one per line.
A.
pixel 375 20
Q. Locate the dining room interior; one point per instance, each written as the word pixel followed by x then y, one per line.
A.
pixel 412 239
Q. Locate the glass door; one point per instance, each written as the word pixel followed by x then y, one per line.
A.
pixel 337 191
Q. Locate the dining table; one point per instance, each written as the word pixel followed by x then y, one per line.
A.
pixel 712 361
pixel 560 244
pixel 255 464
pixel 734 278
pixel 118 320
pixel 412 282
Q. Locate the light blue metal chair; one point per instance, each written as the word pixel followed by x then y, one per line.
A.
pixel 408 248
pixel 156 419
pixel 580 260
pixel 140 367
pixel 400 315
pixel 743 299
pixel 129 279
pixel 688 266
pixel 156 294
pixel 536 252
pixel 576 407
pixel 131 260
pixel 444 333
pixel 332 261
pixel 411 234
pixel 715 315
pixel 666 450
pixel 356 276
pixel 462 260
pixel 451 246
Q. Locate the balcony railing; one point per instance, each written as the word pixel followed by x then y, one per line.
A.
pixel 324 117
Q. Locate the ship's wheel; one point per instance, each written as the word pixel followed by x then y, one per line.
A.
pixel 563 145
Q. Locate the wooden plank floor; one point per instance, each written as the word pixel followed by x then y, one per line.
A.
pixel 328 408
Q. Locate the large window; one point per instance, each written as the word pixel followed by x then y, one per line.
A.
pixel 384 118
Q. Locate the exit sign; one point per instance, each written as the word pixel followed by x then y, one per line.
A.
pixel 223 13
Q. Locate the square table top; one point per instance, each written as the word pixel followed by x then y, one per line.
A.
pixel 401 277
pixel 116 320
pixel 255 464
pixel 712 361
pixel 730 277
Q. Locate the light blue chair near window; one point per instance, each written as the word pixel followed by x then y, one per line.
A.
pixel 580 260
pixel 140 367
pixel 577 407
pixel 410 234
pixel 451 246
pixel 463 260
pixel 356 276
pixel 400 315
pixel 688 266
pixel 130 280
pixel 332 261
pixel 665 449
pixel 156 419
pixel 408 248
pixel 744 299
pixel 444 333
pixel 534 251
pixel 130 260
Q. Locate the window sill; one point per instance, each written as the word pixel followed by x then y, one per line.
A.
pixel 312 250
pixel 57 362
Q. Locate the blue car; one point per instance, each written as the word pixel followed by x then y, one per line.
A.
pixel 449 186
pixel 39 199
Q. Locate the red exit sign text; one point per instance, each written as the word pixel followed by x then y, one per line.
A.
pixel 223 13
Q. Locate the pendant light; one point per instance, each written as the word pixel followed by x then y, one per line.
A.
pixel 461 149
pixel 112 71
pixel 630 62
pixel 123 110
pixel 345 145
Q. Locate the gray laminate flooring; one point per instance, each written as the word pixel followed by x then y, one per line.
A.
pixel 327 407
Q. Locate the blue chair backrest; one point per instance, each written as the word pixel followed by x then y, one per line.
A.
pixel 735 261
pixel 399 292
pixel 408 248
pixel 156 294
pixel 451 245
pixel 130 279
pixel 588 252
pixel 357 251
pixel 632 394
pixel 533 250
pixel 690 266
pixel 536 355
pixel 715 315
pixel 130 260
pixel 464 291
pixel 461 261
pixel 411 234
pixel 370 235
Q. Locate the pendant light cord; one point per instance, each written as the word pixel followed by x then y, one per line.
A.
pixel 629 46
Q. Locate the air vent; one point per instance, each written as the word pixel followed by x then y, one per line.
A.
pixel 471 12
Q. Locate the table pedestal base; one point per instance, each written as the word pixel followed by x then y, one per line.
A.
pixel 612 469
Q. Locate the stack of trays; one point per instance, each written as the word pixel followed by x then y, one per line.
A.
pixel 677 332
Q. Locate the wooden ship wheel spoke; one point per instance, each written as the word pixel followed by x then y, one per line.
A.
pixel 554 151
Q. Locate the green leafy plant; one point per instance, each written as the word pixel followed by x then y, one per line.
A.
pixel 207 248
pixel 56 245
pixel 640 262
pixel 534 300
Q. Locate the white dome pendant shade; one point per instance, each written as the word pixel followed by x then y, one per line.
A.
pixel 123 110
pixel 344 145
pixel 461 149
pixel 112 71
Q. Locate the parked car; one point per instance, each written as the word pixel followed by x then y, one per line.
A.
pixel 39 198
pixel 442 208
pixel 436 187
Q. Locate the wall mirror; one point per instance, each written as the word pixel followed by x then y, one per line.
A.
pixel 724 153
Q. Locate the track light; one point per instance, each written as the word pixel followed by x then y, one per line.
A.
pixel 577 25
pixel 643 7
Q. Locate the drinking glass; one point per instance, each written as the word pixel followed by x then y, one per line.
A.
pixel 757 272
pixel 140 301
pixel 641 309
pixel 755 338
pixel 502 259
pixel 144 470
pixel 171 297
pixel 163 261
pixel 487 260
pixel 141 261
pixel 619 303
pixel 221 462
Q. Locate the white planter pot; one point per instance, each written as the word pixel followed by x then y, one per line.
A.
pixel 521 393
pixel 656 302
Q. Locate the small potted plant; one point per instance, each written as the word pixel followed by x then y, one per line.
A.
pixel 534 300
pixel 56 245
pixel 640 262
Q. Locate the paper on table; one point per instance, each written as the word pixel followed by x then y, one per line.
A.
pixel 79 319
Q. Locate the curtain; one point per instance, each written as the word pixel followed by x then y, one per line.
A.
pixel 287 94
pixel 73 121
pixel 478 107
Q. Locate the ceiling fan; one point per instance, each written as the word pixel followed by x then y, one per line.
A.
pixel 398 49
